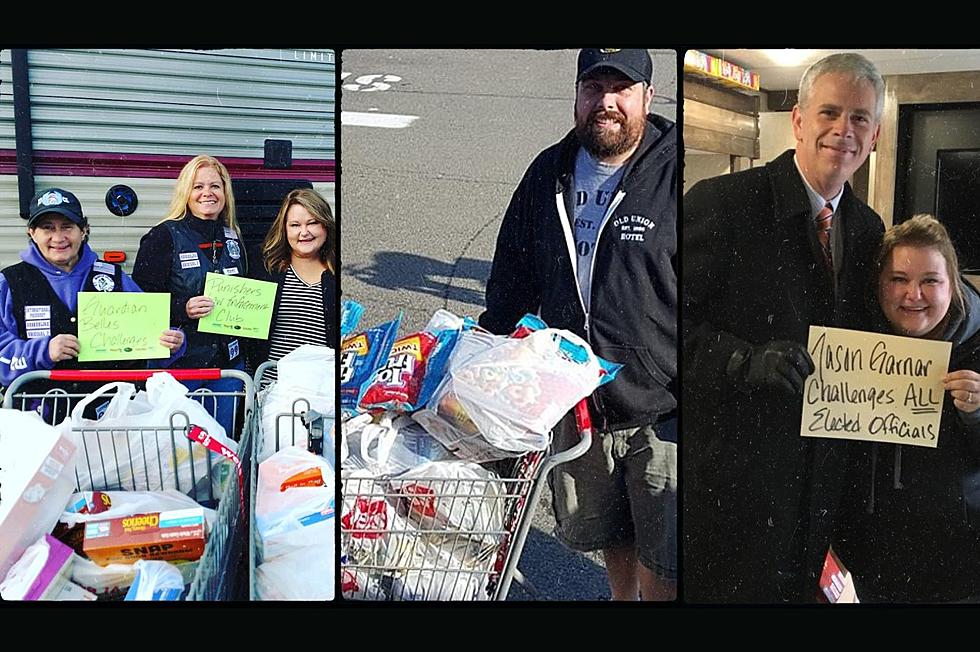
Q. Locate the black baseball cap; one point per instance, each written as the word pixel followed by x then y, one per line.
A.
pixel 56 200
pixel 635 64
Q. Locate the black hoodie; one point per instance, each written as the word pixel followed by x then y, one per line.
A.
pixel 633 316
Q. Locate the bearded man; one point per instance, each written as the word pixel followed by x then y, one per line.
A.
pixel 589 242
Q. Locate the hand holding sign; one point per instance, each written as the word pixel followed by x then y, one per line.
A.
pixel 964 387
pixel 122 325
pixel 242 306
pixel 875 387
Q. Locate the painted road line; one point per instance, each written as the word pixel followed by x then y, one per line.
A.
pixel 383 120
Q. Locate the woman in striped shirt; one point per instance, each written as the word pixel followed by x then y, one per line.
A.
pixel 299 254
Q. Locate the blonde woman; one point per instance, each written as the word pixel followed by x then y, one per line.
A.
pixel 198 235
pixel 299 254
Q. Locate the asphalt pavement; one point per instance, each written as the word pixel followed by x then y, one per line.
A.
pixel 433 144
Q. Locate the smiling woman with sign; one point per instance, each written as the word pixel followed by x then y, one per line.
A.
pixel 39 295
pixel 299 255
pixel 198 235
pixel 912 519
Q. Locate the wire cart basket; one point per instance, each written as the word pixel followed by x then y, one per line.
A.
pixel 300 426
pixel 434 538
pixel 114 459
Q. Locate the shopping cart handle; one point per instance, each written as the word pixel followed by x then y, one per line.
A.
pixel 583 422
pixel 110 375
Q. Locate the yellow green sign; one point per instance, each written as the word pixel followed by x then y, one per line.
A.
pixel 242 306
pixel 122 325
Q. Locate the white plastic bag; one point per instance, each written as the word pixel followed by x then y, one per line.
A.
pixel 302 574
pixel 305 373
pixel 113 581
pixel 453 496
pixel 502 396
pixel 156 581
pixel 394 445
pixel 293 502
pixel 132 446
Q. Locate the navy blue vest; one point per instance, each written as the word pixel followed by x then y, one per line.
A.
pixel 40 312
pixel 192 259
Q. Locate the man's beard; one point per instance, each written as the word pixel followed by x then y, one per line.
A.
pixel 603 143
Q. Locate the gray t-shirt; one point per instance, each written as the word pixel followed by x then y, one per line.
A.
pixel 595 187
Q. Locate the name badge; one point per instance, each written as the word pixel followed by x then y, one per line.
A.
pixel 37 312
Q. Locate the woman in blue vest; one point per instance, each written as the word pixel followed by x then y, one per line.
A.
pixel 39 295
pixel 299 255
pixel 198 235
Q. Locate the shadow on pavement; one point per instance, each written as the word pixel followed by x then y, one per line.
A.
pixel 406 271
pixel 557 573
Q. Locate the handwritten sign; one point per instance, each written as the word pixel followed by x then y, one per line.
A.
pixel 874 387
pixel 242 306
pixel 122 325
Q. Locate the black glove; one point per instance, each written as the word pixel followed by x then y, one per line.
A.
pixel 780 365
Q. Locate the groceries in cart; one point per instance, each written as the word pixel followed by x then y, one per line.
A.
pixel 119 507
pixel 294 520
pixel 422 518
pixel 301 403
pixel 293 525
pixel 415 365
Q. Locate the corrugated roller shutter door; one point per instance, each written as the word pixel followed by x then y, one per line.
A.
pixel 225 103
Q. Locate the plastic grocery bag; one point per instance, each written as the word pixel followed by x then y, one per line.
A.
pixel 294 502
pixel 502 396
pixel 156 581
pixel 132 446
pixel 394 445
pixel 301 574
pixel 113 581
pixel 453 496
pixel 305 381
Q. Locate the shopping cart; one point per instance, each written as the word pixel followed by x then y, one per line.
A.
pixel 432 538
pixel 300 426
pixel 109 466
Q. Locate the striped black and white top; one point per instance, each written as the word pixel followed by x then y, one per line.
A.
pixel 300 319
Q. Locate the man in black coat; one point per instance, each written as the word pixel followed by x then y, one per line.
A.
pixel 768 252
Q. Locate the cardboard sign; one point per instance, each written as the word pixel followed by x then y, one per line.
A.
pixel 242 306
pixel 874 387
pixel 122 325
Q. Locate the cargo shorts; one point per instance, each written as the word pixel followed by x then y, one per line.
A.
pixel 622 491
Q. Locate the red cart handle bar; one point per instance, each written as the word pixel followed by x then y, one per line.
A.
pixel 108 375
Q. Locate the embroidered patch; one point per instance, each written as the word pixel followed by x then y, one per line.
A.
pixel 232 349
pixel 190 255
pixel 34 334
pixel 230 233
pixel 231 271
pixel 103 283
pixel 187 264
pixel 104 267
pixel 233 250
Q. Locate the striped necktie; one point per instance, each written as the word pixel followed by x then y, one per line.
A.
pixel 823 221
